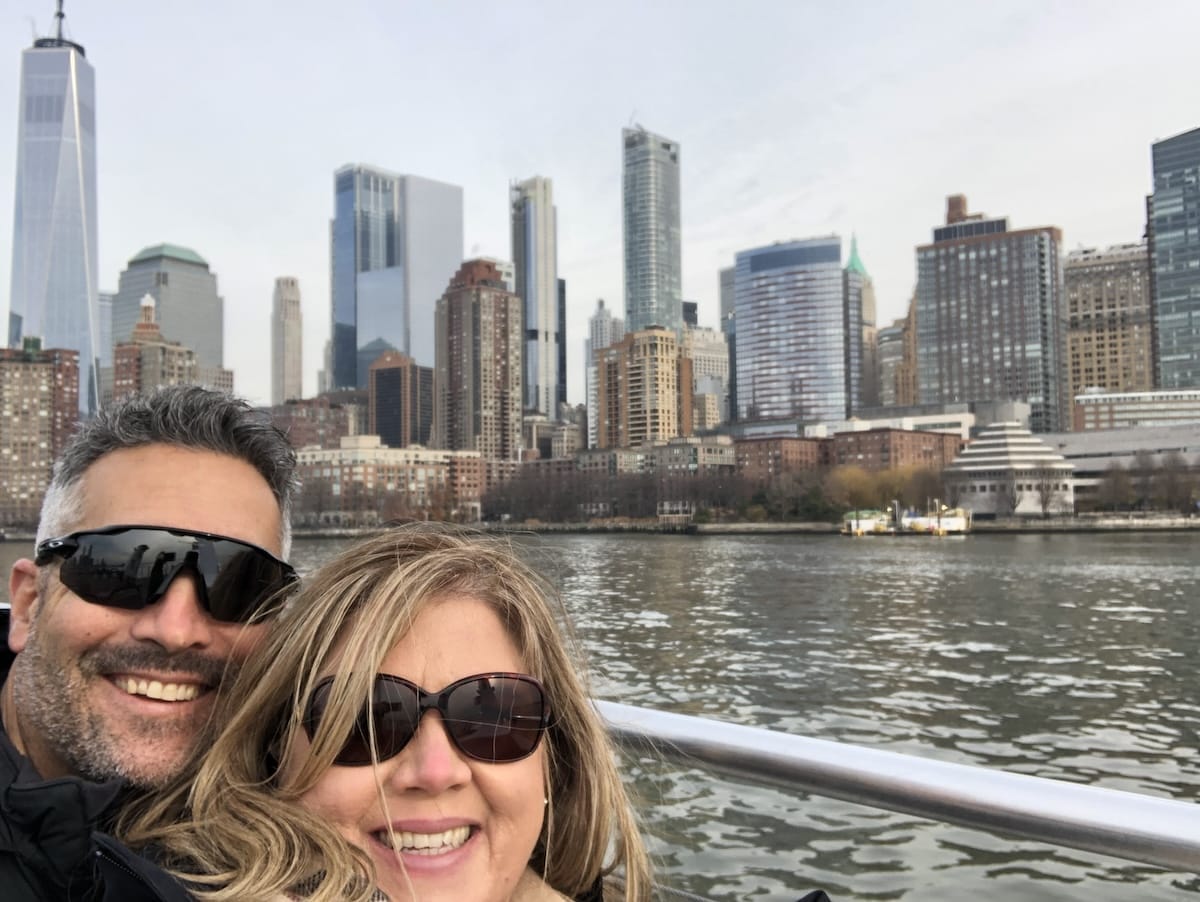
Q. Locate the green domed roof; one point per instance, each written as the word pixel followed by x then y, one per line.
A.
pixel 174 251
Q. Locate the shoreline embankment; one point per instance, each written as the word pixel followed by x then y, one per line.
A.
pixel 1025 526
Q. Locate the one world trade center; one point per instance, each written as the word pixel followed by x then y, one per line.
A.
pixel 55 268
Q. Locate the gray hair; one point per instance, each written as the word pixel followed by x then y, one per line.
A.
pixel 185 416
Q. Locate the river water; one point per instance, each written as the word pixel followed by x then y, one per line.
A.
pixel 1066 656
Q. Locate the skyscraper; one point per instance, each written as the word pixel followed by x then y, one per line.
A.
pixel 708 351
pixel 395 241
pixel 791 334
pixel 535 255
pixel 104 342
pixel 477 377
pixel 691 314
pixel 399 400
pixel 891 359
pixel 604 329
pixel 287 370
pixel 187 306
pixel 862 382
pixel 1172 212
pixel 644 390
pixel 726 280
pixel 1109 337
pixel 54 263
pixel 989 315
pixel 653 260
pixel 561 389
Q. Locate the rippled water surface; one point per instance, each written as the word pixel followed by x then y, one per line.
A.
pixel 1072 657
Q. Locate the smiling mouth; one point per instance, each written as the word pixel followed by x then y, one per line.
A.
pixel 425 843
pixel 158 690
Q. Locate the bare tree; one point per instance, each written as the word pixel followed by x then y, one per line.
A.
pixel 315 498
pixel 1174 484
pixel 1008 497
pixel 923 483
pixel 1115 491
pixel 1046 487
pixel 1142 473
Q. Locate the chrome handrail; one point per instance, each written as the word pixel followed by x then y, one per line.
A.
pixel 1157 831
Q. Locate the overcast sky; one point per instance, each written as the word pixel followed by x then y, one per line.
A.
pixel 220 124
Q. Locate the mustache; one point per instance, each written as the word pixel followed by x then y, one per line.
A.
pixel 213 672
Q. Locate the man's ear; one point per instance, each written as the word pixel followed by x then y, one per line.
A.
pixel 23 595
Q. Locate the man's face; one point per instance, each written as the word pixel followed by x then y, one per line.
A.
pixel 85 674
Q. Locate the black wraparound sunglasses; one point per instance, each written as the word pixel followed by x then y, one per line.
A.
pixel 131 567
pixel 491 717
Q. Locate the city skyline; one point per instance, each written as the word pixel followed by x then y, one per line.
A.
pixel 875 134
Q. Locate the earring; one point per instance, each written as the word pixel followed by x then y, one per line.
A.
pixel 546 801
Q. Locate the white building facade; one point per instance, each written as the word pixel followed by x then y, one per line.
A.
pixel 1008 472
pixel 287 369
pixel 535 258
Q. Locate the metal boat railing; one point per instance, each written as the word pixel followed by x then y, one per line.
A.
pixel 1157 831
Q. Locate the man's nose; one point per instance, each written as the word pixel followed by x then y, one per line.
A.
pixel 178 620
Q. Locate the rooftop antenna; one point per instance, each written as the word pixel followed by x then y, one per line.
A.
pixel 59 16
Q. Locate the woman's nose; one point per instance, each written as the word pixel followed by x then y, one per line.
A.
pixel 430 762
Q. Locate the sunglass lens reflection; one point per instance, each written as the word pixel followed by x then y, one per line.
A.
pixel 134 568
pixel 495 719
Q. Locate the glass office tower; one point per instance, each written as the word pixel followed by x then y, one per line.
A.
pixel 54 264
pixel 1175 259
pixel 188 306
pixel 791 333
pixel 535 257
pixel 653 260
pixel 395 241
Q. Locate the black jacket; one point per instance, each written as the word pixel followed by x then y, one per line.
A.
pixel 50 847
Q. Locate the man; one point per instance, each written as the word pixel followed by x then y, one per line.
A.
pixel 118 658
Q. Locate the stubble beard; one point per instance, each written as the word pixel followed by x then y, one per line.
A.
pixel 52 699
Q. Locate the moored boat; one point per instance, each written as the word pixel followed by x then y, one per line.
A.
pixel 940 521
pixel 867 523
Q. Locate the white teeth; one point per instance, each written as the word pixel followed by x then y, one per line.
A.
pixel 426 843
pixel 167 692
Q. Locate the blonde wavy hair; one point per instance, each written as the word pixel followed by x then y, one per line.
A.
pixel 230 829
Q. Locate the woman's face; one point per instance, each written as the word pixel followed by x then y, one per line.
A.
pixel 466 828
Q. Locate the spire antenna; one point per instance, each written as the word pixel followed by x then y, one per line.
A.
pixel 59 16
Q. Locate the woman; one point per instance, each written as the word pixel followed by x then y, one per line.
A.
pixel 412 729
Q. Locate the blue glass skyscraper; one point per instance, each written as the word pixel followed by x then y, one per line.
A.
pixel 395 242
pixel 791 333
pixel 54 268
pixel 1175 259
